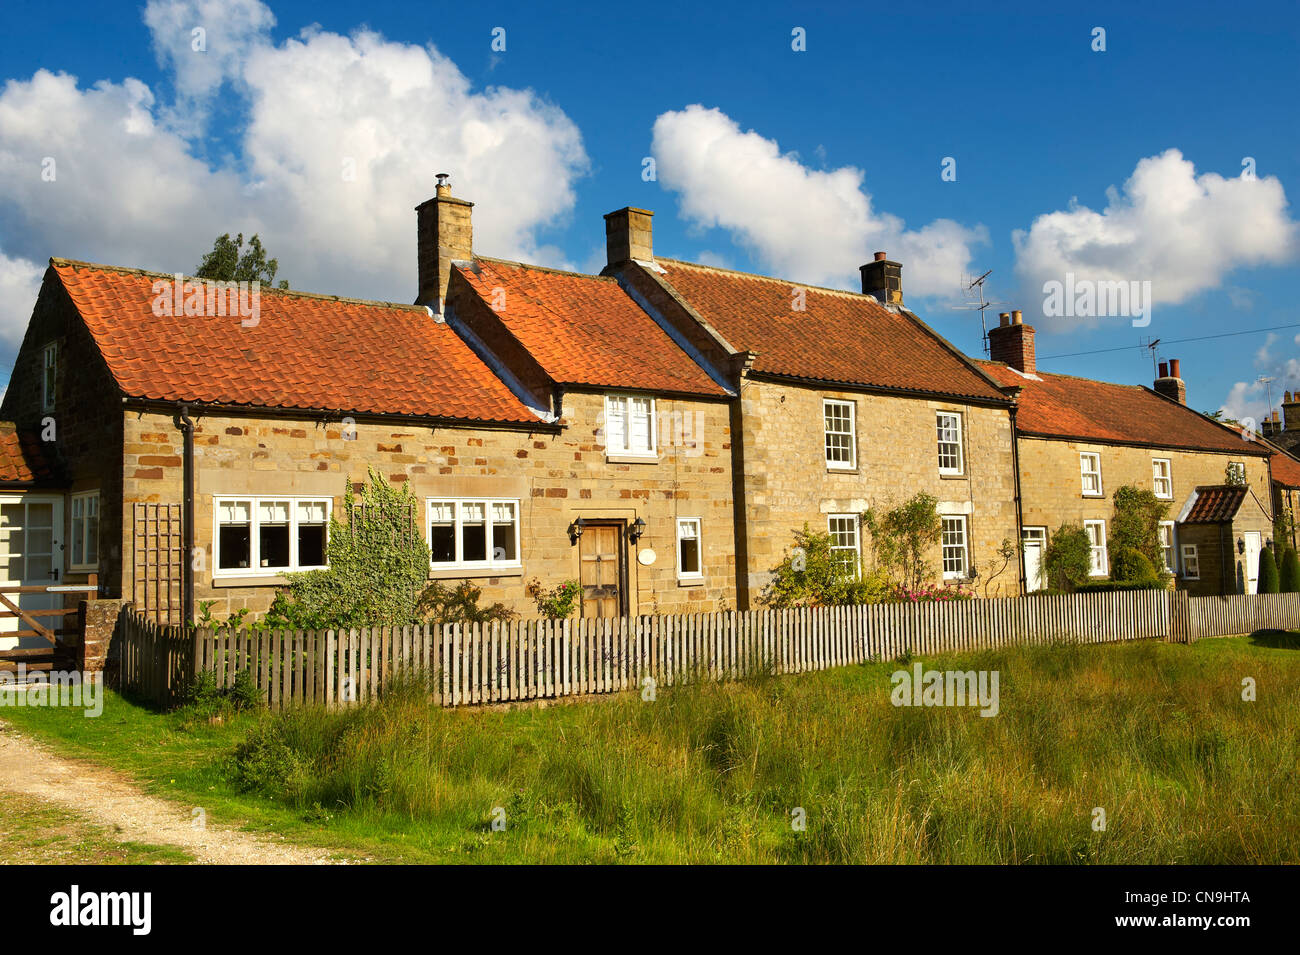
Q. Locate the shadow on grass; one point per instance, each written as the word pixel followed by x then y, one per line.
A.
pixel 1278 639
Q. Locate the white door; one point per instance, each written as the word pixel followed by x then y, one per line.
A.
pixel 1253 548
pixel 31 555
pixel 1034 541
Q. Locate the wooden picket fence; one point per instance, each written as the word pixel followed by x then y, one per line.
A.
pixel 548 659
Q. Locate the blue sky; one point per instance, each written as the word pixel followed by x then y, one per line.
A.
pixel 795 163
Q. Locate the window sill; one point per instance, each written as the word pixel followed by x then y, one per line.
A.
pixel 250 580
pixel 831 470
pixel 690 581
pixel 1093 497
pixel 463 573
pixel 952 475
pixel 631 458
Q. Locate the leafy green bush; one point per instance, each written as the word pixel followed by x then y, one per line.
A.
pixel 812 575
pixel 903 536
pixel 265 762
pixel 1268 575
pixel 441 604
pixel 1289 572
pixel 1128 565
pixel 378 567
pixel 559 602
pixel 204 699
pixel 1136 525
pixel 1112 586
pixel 1067 560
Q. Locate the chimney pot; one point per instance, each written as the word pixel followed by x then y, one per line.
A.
pixel 1004 319
pixel 1164 369
pixel 1170 383
pixel 1173 368
pixel 1016 317
pixel 881 256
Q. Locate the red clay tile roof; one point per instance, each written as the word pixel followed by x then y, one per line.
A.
pixel 839 337
pixel 307 352
pixel 1062 406
pixel 1216 504
pixel 1286 470
pixel 22 458
pixel 585 330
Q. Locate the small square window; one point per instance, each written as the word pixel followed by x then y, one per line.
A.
pixel 1191 563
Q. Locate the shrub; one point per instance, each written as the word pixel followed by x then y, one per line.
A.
pixel 1128 565
pixel 266 764
pixel 378 566
pixel 1136 525
pixel 441 604
pixel 1268 575
pixel 1289 572
pixel 1068 557
pixel 557 603
pixel 811 575
pixel 902 537
pixel 1113 586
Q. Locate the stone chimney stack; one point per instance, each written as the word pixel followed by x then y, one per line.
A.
pixel 1291 411
pixel 444 234
pixel 629 235
pixel 1170 383
pixel 1012 342
pixel 883 279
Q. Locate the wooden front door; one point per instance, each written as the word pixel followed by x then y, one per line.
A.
pixel 603 571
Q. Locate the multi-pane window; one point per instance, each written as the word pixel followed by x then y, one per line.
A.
pixel 841 441
pixel 1162 478
pixel 630 425
pixel 1237 472
pixel 473 533
pixel 953 542
pixel 689 565
pixel 270 535
pixel 49 375
pixel 1167 547
pixel 844 541
pixel 1096 531
pixel 950 459
pixel 1090 469
pixel 85 530
pixel 1191 563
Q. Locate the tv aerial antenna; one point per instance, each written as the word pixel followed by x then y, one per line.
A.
pixel 973 291
pixel 1150 345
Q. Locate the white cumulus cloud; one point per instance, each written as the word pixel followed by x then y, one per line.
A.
pixel 1181 231
pixel 801 223
pixel 336 140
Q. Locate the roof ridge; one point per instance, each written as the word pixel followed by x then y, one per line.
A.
pixel 758 276
pixel 1058 374
pixel 544 268
pixel 57 261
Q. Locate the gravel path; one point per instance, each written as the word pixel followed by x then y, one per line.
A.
pixel 111 800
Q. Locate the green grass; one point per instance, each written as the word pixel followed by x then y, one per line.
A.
pixel 35 833
pixel 1157 735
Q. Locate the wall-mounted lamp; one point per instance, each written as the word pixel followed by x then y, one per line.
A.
pixel 636 530
pixel 1241 545
pixel 575 530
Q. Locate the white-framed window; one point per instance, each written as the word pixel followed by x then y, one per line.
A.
pixel 690 559
pixel 84 548
pixel 845 548
pixel 1096 531
pixel 1162 478
pixel 1090 471
pixel 1168 546
pixel 1191 563
pixel 1237 471
pixel 49 375
pixel 950 455
pixel 630 425
pixel 841 435
pixel 269 535
pixel 953 543
pixel 473 533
